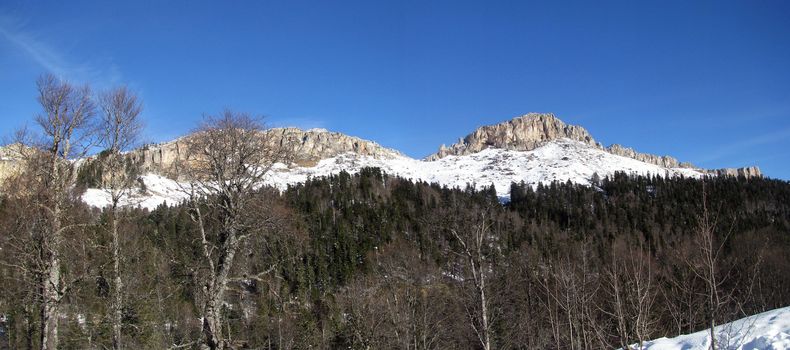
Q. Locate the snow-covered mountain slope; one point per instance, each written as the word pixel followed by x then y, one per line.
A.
pixel 560 160
pixel 766 331
pixel 157 190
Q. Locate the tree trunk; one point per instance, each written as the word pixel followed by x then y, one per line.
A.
pixel 212 323
pixel 50 305
pixel 117 308
pixel 484 311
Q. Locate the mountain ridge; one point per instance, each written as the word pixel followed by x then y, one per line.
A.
pixel 532 130
pixel 525 133
pixel 308 147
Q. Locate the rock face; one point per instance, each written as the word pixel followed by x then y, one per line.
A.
pixel 664 161
pixel 9 161
pixel 751 171
pixel 533 130
pixel 310 146
pixel 306 146
pixel 523 133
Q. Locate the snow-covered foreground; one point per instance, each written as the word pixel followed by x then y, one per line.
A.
pixel 766 331
pixel 561 160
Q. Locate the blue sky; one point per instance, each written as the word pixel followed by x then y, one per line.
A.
pixel 704 81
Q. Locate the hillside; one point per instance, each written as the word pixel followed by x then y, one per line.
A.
pixel 534 148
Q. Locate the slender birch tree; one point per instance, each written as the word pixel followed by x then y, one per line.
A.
pixel 475 240
pixel 119 128
pixel 65 125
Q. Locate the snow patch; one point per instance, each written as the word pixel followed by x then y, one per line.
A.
pixel 766 331
pixel 560 160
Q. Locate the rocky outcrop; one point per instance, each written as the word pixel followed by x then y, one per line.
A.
pixel 305 147
pixel 9 161
pixel 533 130
pixel 158 157
pixel 664 161
pixel 310 146
pixel 523 133
pixel 751 171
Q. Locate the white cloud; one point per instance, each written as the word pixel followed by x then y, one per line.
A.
pixel 45 55
pixel 740 145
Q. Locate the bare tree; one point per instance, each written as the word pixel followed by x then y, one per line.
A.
pixel 49 173
pixel 475 240
pixel 630 285
pixel 226 160
pixel 397 311
pixel 705 271
pixel 707 265
pixel 570 286
pixel 120 131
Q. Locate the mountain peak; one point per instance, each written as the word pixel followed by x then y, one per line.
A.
pixel 533 130
pixel 523 133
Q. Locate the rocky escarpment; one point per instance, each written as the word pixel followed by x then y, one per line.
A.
pixel 310 146
pixel 523 133
pixel 664 161
pixel 751 171
pixel 305 147
pixel 533 130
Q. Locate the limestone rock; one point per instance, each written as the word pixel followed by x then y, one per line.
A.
pixel 523 133
pixel 751 171
pixel 533 130
pixel 310 146
pixel 307 147
pixel 664 161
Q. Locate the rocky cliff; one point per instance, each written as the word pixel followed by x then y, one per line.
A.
pixel 751 171
pixel 533 130
pixel 307 147
pixel 523 133
pixel 9 161
pixel 310 146
pixel 664 161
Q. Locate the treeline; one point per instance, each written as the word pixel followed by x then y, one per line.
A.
pixel 362 261
pixel 374 261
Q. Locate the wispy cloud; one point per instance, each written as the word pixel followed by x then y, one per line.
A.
pixel 45 55
pixel 738 146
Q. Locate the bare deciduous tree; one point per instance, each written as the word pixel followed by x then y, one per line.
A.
pixel 226 160
pixel 120 131
pixel 630 285
pixel 49 172
pixel 476 241
pixel 571 286
pixel 706 265
pixel 397 311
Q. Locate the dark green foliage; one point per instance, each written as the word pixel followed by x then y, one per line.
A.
pixel 357 243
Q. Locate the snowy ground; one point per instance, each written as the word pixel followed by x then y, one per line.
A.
pixel 158 190
pixel 766 331
pixel 561 160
